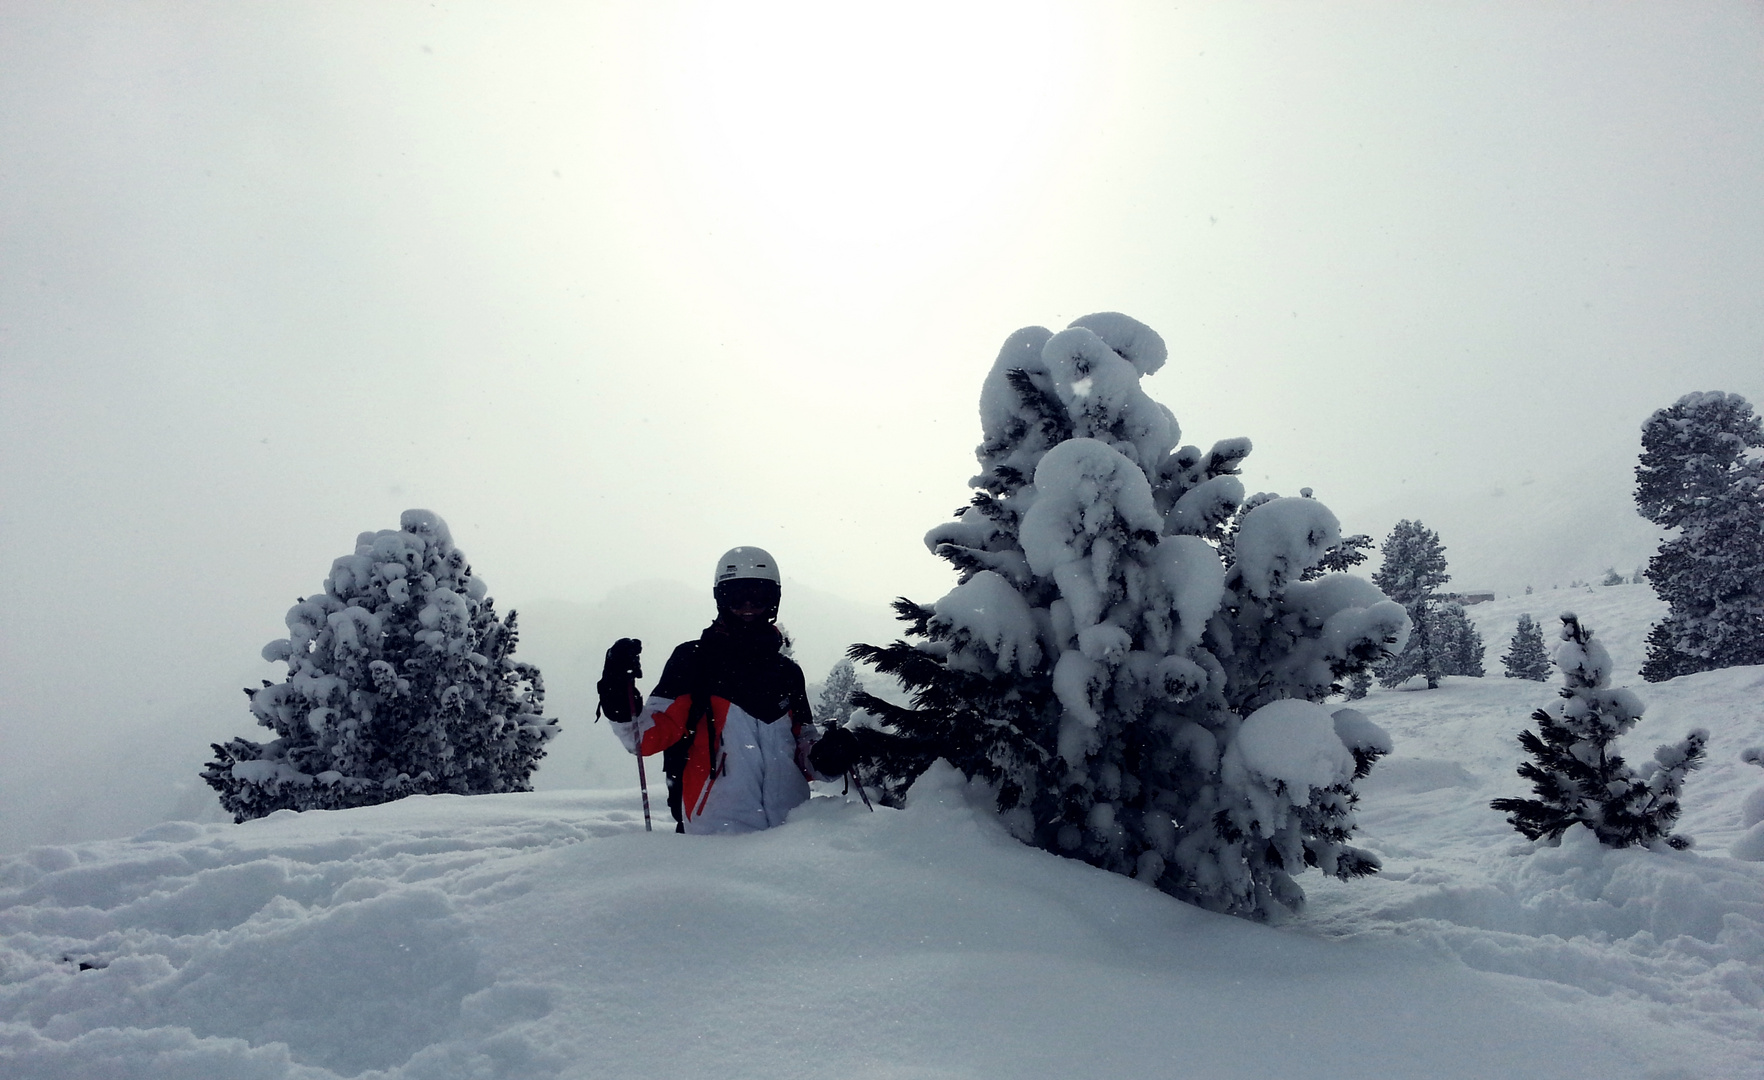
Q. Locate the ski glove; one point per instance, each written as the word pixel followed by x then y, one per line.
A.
pixel 836 752
pixel 622 660
pixel 617 677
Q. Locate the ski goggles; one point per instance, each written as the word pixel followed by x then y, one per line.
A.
pixel 749 592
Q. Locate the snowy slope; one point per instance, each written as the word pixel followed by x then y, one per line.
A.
pixel 1620 615
pixel 546 935
pixel 1677 934
pixel 1559 523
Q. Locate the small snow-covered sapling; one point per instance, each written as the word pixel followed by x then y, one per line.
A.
pixel 1576 774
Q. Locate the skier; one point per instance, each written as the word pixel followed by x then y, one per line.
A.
pixel 751 763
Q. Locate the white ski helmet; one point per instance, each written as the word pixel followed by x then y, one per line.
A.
pixel 746 563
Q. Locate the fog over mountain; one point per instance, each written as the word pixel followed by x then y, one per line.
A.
pixel 1547 527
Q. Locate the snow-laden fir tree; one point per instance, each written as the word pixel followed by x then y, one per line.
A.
pixel 1526 657
pixel 1701 475
pixel 836 693
pixel 1460 644
pixel 1575 773
pixel 1414 564
pixel 401 681
pixel 1422 657
pixel 1413 570
pixel 1443 642
pixel 1133 657
pixel 1350 553
pixel 1750 845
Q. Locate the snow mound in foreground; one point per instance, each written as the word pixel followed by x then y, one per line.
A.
pixel 546 935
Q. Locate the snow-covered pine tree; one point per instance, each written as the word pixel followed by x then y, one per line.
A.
pixel 1359 684
pixel 1349 553
pixel 401 681
pixel 1575 773
pixel 836 693
pixel 1443 642
pixel 1414 564
pixel 1700 475
pixel 1422 656
pixel 1133 656
pixel 1526 657
pixel 1460 644
pixel 1413 570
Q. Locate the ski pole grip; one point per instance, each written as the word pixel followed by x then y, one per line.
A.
pixel 618 685
pixel 624 659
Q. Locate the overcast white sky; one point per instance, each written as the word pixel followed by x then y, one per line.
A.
pixel 614 287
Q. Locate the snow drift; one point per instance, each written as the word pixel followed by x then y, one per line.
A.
pixel 545 935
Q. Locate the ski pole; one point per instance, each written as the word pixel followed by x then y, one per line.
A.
pixel 642 777
pixel 852 780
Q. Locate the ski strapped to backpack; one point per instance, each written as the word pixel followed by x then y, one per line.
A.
pixel 674 757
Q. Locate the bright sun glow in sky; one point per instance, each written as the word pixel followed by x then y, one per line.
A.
pixel 839 161
pixel 863 138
